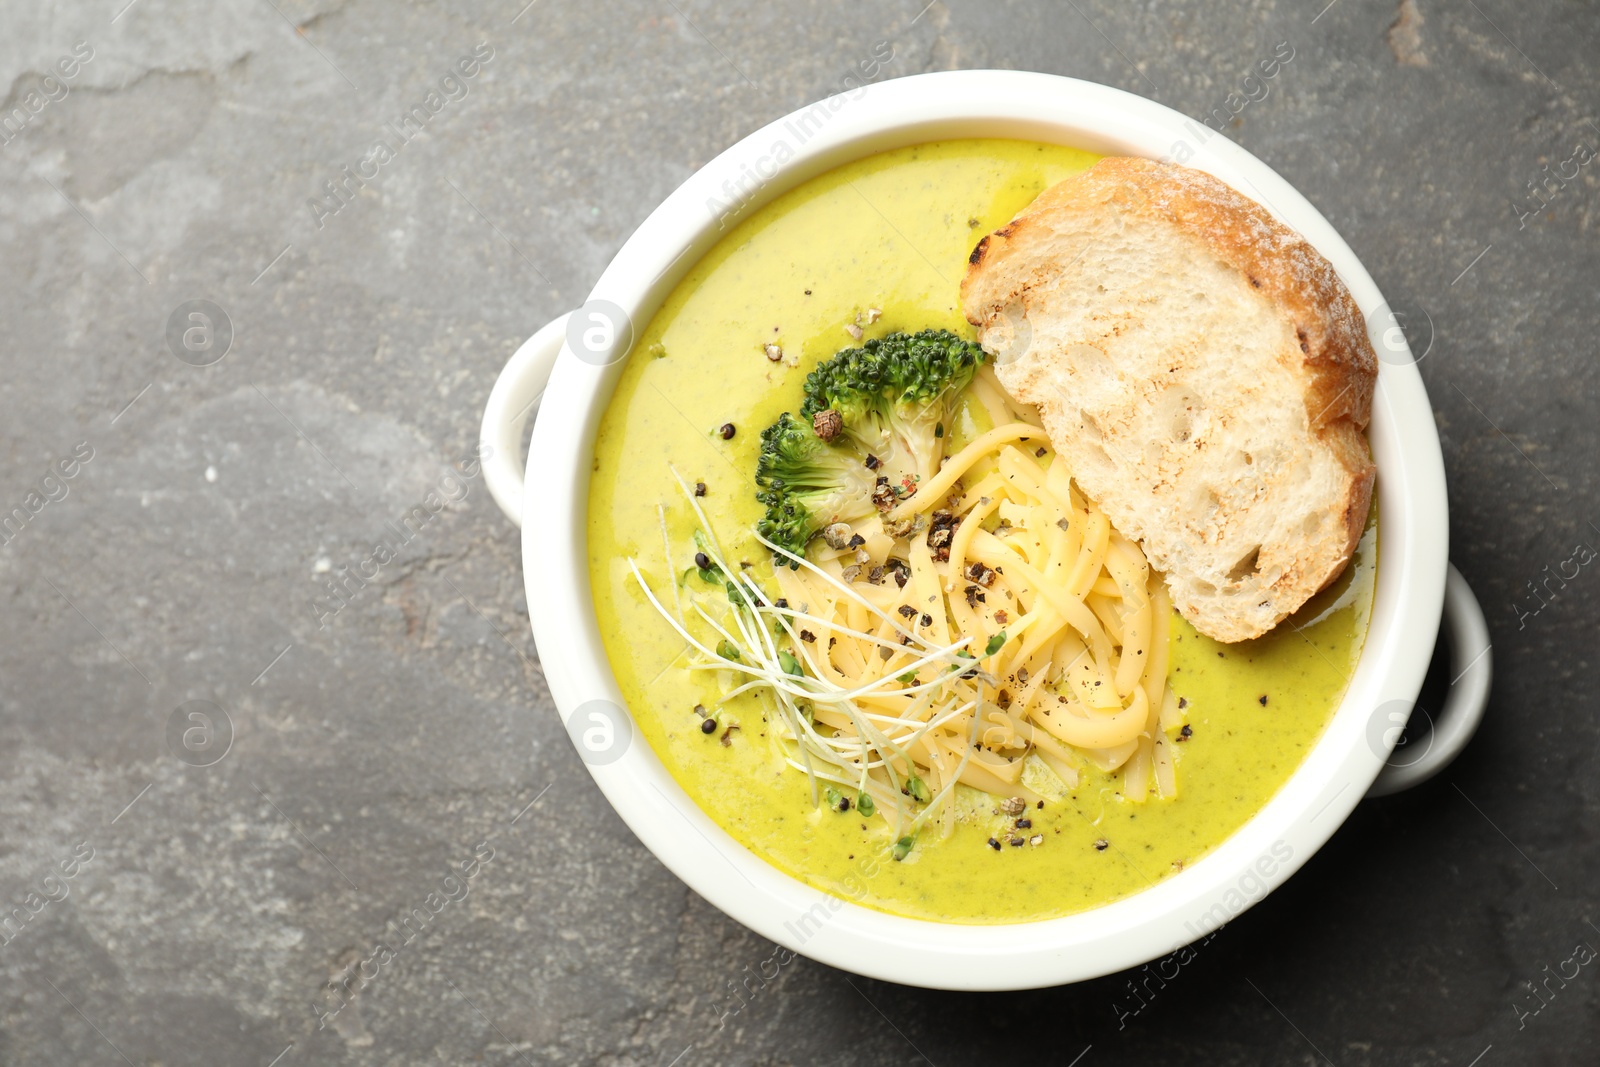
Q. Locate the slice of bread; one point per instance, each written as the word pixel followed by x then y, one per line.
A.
pixel 1202 369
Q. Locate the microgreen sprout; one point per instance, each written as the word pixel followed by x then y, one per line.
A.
pixel 769 645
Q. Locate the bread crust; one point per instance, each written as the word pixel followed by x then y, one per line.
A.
pixel 1335 365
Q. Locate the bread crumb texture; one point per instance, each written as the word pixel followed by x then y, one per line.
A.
pixel 1203 371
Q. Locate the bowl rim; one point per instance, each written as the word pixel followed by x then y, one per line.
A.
pixel 1256 858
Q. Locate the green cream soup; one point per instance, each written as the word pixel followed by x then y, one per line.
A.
pixel 893 232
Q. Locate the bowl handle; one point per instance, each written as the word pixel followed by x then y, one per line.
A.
pixel 1472 666
pixel 515 393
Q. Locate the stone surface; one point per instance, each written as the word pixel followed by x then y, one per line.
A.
pixel 370 755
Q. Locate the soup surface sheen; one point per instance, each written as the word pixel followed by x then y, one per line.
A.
pixel 893 232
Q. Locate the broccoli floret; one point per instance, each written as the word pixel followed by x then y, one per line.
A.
pixel 888 405
pixel 894 395
pixel 807 484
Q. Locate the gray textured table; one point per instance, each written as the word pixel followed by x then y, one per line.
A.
pixel 360 754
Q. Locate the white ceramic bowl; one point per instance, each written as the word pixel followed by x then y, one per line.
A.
pixel 1336 774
